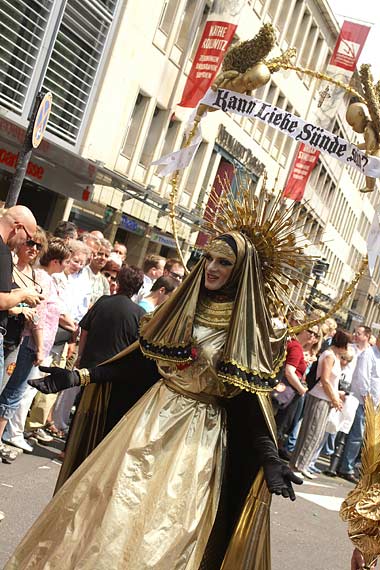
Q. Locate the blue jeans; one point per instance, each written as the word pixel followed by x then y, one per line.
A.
pixel 353 442
pixel 14 389
pixel 329 444
pixel 290 444
pixel 1 358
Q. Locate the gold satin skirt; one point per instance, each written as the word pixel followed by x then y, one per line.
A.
pixel 146 497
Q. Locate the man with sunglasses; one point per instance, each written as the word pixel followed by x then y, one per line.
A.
pixel 16 226
pixel 174 269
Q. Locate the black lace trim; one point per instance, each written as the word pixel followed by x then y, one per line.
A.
pixel 232 373
pixel 173 353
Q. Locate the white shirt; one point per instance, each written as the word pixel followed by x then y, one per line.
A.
pixel 366 377
pixel 99 284
pixel 318 390
pixel 75 292
pixel 144 289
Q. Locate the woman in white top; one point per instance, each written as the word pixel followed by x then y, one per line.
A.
pixel 319 401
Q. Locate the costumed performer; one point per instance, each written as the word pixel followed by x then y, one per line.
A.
pixel 164 488
pixel 361 508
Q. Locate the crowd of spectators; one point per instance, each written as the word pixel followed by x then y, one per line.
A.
pixel 327 370
pixel 58 295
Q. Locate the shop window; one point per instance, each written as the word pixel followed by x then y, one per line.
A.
pixel 134 124
pixel 154 133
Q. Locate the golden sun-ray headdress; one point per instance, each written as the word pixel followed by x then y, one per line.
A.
pixel 361 509
pixel 271 228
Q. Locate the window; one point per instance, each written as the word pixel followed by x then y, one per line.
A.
pixel 168 14
pixel 193 176
pixel 289 36
pixel 200 29
pixel 185 24
pixel 22 28
pixel 154 133
pixel 134 124
pixel 74 62
pixel 171 136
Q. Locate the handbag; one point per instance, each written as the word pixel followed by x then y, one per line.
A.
pixel 15 326
pixel 62 336
pixel 342 420
pixel 283 394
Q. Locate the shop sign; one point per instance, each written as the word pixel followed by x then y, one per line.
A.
pixel 132 225
pixel 83 170
pixel 9 158
pixel 51 176
pixel 163 240
pixel 239 151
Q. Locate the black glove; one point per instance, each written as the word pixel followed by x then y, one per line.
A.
pixel 279 479
pixel 59 379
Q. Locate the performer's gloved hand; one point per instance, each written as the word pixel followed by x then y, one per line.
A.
pixel 59 379
pixel 279 479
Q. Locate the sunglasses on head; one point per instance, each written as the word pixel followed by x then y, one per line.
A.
pixel 32 243
pixel 109 276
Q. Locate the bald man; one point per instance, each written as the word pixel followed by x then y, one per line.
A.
pixel 16 226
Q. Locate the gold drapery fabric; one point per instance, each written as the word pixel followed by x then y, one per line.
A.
pixel 87 430
pixel 148 494
pixel 249 547
pixel 253 351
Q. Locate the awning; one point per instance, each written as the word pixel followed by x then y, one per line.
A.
pixel 48 156
pixel 145 194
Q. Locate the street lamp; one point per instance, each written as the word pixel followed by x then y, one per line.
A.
pixel 319 270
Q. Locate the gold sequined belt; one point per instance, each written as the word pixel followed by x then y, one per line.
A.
pixel 205 398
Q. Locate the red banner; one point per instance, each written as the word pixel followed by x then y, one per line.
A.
pixel 226 172
pixel 343 62
pixel 305 161
pixel 215 40
pixel 349 45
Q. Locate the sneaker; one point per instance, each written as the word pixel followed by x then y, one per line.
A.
pixel 298 473
pixel 314 469
pixel 306 473
pixel 19 441
pixel 42 436
pixel 7 455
